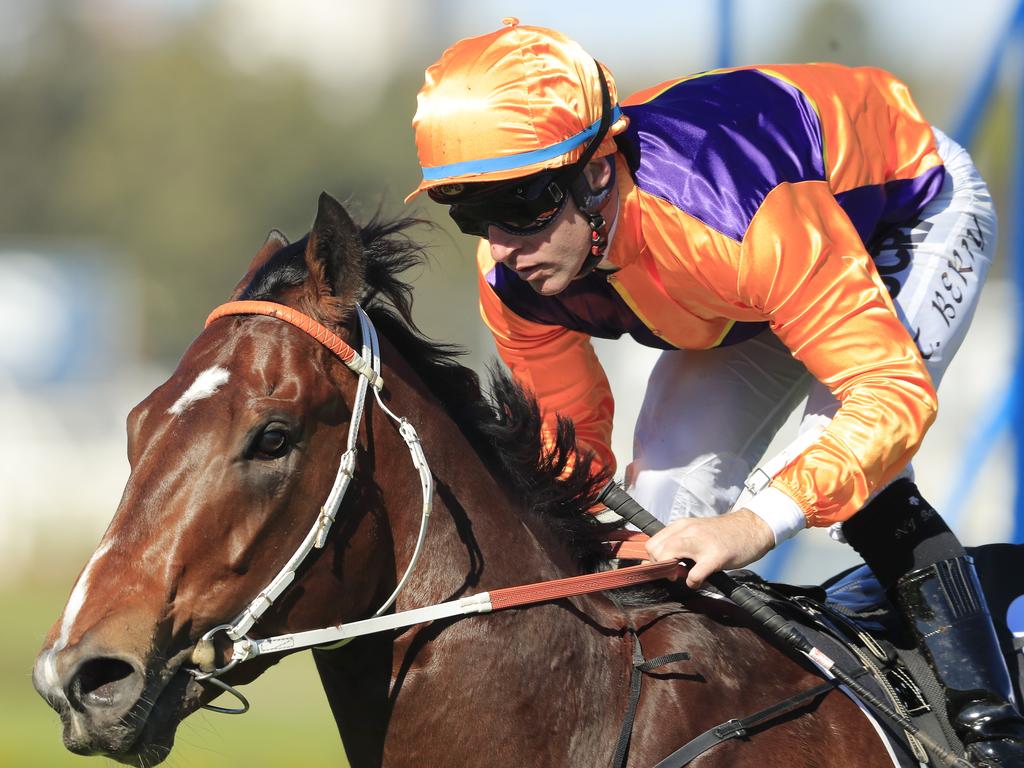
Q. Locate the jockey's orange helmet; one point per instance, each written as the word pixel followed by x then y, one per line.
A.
pixel 510 104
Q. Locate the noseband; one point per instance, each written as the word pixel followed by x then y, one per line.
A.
pixel 367 367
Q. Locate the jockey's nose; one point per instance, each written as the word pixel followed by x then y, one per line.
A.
pixel 503 245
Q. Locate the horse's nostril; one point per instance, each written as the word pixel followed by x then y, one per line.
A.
pixel 102 682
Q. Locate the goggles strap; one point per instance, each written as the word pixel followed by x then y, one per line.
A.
pixel 592 209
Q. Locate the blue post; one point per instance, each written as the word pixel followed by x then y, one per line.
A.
pixel 725 54
pixel 973 110
pixel 1008 414
pixel 1016 209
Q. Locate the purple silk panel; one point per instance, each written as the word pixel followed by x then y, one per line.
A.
pixel 716 145
pixel 589 305
pixel 876 205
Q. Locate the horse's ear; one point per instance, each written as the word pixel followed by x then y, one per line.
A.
pixel 275 241
pixel 334 254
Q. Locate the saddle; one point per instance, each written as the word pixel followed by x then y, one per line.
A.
pixel 851 619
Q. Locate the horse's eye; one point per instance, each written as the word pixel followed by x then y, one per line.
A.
pixel 271 443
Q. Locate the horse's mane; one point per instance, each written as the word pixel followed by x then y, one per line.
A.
pixel 503 425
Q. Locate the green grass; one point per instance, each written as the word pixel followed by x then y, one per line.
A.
pixel 289 723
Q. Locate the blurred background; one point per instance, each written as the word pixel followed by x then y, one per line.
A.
pixel 147 146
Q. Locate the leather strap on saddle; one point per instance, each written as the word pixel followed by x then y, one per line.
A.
pixel 739 727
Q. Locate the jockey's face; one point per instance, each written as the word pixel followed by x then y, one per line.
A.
pixel 551 258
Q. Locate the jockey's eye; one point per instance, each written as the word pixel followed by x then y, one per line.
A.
pixel 271 443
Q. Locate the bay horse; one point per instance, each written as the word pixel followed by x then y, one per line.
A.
pixel 231 460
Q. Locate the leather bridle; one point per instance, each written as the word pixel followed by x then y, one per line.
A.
pixel 367 367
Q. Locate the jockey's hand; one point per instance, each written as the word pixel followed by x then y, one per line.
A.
pixel 732 540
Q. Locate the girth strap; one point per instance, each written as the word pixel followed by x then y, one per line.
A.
pixel 738 727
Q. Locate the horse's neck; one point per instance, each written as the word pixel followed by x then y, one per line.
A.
pixel 382 688
pixel 479 535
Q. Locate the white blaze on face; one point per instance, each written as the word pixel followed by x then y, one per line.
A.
pixel 75 603
pixel 206 383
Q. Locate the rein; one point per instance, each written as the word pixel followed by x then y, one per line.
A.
pixel 367 366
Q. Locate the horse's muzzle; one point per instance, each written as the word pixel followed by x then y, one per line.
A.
pixel 106 706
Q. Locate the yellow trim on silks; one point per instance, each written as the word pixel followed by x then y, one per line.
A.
pixel 649 94
pixel 626 297
pixel 725 333
pixel 651 326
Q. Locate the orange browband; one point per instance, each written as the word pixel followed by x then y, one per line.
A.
pixel 292 316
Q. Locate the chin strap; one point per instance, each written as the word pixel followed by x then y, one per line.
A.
pixel 591 205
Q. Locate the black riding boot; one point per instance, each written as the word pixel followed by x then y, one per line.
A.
pixel 945 608
pixel 932 581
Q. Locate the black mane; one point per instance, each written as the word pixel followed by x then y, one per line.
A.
pixel 504 426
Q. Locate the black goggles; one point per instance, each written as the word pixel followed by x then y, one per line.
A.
pixel 521 207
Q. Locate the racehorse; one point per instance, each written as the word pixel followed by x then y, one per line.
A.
pixel 231 461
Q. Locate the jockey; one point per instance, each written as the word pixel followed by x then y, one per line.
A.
pixel 779 232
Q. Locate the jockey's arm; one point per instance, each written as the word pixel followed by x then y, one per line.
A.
pixel 559 366
pixel 802 264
